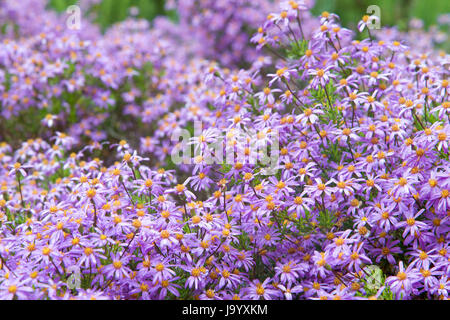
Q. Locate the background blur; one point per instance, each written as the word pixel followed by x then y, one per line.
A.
pixel 393 12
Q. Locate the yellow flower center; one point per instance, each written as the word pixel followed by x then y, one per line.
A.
pixel 286 268
pixel 165 234
pixel 260 290
pixel 210 293
pixel 12 289
pixel 148 183
pixel 195 272
pixel 401 276
pixel 91 193
pixel 423 255
pixel 281 185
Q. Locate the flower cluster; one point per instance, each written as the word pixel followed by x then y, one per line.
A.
pixel 92 205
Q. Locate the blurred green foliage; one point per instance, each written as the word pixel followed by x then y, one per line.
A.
pixel 111 11
pixel 393 12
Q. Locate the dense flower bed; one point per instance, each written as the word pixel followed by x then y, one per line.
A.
pixel 93 205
